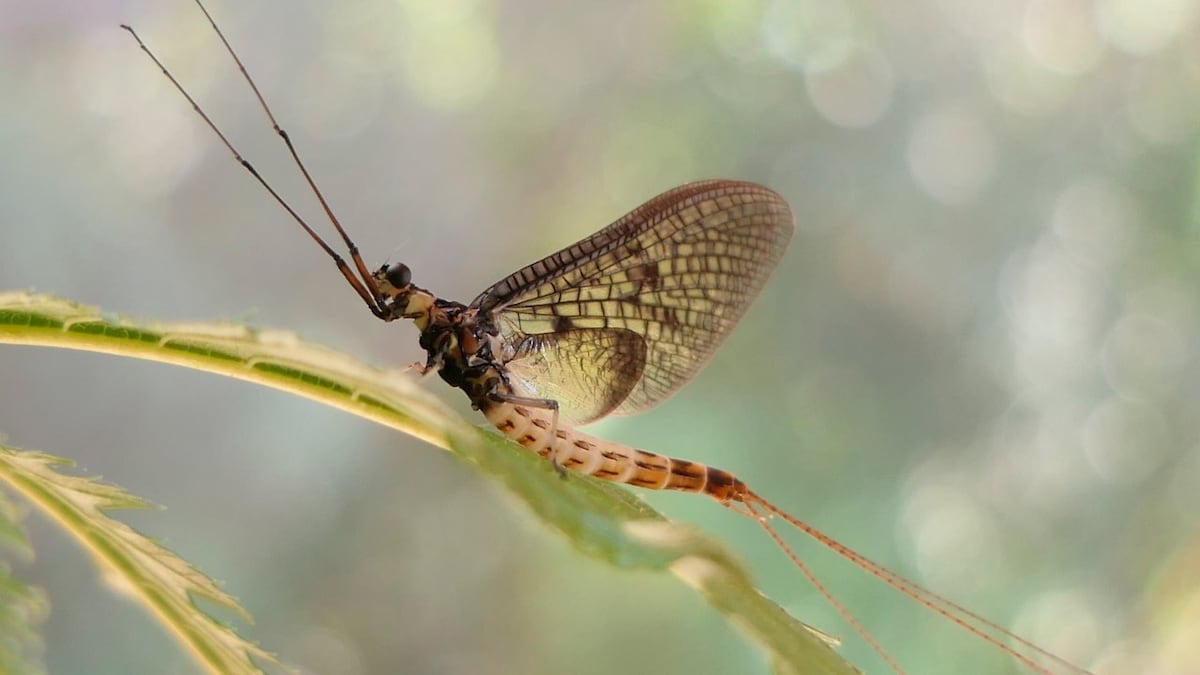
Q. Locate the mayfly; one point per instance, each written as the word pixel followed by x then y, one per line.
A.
pixel 612 324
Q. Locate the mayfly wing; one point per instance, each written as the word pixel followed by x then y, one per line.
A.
pixel 587 371
pixel 675 274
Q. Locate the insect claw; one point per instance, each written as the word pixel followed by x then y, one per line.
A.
pixel 553 457
pixel 421 369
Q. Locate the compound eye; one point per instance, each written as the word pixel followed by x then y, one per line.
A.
pixel 399 275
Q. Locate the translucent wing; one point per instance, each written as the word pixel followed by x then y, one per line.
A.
pixel 588 371
pixel 676 273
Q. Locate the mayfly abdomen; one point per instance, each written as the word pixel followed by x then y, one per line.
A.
pixel 606 460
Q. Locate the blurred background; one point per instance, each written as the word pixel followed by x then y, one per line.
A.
pixel 979 363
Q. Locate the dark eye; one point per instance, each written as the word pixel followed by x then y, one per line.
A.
pixel 399 275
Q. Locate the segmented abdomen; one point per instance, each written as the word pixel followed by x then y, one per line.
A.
pixel 606 460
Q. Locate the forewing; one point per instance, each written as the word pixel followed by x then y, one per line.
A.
pixel 588 371
pixel 678 271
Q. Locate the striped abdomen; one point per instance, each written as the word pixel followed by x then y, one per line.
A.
pixel 606 460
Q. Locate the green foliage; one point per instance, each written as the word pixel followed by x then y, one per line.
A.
pixel 21 607
pixel 601 519
pixel 161 581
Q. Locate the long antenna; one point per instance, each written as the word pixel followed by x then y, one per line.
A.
pixel 364 282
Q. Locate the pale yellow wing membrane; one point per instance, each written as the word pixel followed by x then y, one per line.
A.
pixel 678 271
pixel 589 372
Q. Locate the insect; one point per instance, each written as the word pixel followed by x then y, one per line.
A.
pixel 612 324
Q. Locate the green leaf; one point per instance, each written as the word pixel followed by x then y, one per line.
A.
pixel 160 580
pixel 22 607
pixel 599 518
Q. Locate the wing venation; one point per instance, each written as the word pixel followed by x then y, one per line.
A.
pixel 678 272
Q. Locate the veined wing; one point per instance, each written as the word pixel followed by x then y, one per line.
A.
pixel 589 371
pixel 677 273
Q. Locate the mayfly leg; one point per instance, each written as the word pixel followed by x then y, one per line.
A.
pixel 363 272
pixel 544 404
pixel 362 282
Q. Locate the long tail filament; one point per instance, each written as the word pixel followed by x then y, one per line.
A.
pixel 983 628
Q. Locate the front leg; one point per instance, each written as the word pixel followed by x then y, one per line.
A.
pixel 431 365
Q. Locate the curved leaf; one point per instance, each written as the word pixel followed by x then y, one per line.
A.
pixel 22 607
pixel 156 577
pixel 600 518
